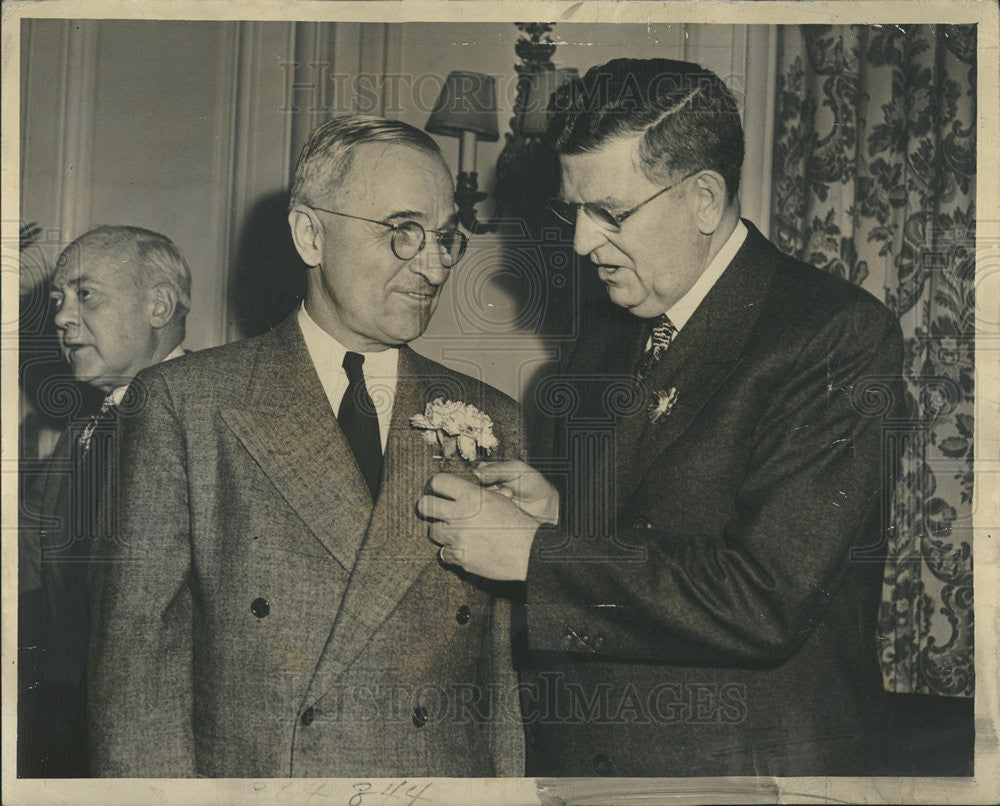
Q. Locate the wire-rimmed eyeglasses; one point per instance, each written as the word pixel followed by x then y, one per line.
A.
pixel 409 237
pixel 600 215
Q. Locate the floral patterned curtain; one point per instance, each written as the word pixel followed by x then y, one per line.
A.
pixel 874 181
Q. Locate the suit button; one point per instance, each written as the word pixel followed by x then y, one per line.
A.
pixel 641 523
pixel 603 765
pixel 463 615
pixel 598 642
pixel 419 716
pixel 260 607
pixel 566 642
pixel 308 716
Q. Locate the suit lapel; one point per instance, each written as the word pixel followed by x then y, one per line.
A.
pixel 701 358
pixel 396 549
pixel 288 428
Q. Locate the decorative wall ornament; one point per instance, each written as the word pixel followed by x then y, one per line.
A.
pixel 527 171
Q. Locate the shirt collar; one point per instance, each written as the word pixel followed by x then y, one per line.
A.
pixel 681 311
pixel 326 352
pixel 117 394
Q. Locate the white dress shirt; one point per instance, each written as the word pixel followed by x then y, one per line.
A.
pixel 381 371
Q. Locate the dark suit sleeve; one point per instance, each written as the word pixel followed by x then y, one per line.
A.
pixel 751 593
pixel 506 731
pixel 140 683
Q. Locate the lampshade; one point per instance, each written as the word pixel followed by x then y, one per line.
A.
pixel 468 103
pixel 542 83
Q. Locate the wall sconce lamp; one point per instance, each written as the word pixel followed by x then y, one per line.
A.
pixel 467 109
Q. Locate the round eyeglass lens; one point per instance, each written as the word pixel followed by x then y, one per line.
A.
pixel 453 243
pixel 563 210
pixel 408 240
pixel 602 217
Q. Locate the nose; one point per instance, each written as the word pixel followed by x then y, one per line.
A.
pixel 66 317
pixel 427 263
pixel 587 235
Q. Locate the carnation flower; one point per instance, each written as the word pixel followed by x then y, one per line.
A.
pixel 454 425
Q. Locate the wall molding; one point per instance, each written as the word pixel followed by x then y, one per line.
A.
pixel 761 68
pixel 308 82
pixel 225 128
pixel 345 58
pixel 79 94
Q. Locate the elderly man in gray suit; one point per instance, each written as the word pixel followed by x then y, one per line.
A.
pixel 119 297
pixel 273 606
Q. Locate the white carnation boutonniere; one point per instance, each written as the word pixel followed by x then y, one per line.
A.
pixel 456 427
pixel 661 404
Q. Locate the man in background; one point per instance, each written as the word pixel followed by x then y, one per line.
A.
pixel 120 297
pixel 273 607
pixel 700 602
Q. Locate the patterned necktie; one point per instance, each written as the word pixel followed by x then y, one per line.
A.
pixel 663 332
pixel 359 422
pixel 107 407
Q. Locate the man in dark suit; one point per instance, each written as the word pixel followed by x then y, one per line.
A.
pixel 272 605
pixel 121 296
pixel 701 594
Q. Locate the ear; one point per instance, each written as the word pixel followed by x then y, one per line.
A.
pixel 710 201
pixel 162 305
pixel 307 234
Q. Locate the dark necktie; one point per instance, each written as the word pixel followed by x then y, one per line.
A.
pixel 663 332
pixel 359 423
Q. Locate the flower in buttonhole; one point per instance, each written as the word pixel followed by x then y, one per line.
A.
pixel 661 404
pixel 454 425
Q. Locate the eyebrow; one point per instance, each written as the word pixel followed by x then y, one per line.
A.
pixel 610 201
pixel 73 282
pixel 405 214
pixel 411 215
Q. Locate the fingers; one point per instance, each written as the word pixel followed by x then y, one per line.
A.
pixel 448 486
pixel 502 472
pixel 450 553
pixel 450 498
pixel 442 534
pixel 434 508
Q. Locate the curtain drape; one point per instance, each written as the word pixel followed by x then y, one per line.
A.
pixel 874 181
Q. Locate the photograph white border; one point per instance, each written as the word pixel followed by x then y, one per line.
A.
pixel 983 788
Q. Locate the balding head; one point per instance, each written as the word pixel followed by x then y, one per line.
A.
pixel 121 296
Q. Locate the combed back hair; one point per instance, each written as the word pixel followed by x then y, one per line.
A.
pixel 327 156
pixel 688 118
pixel 153 258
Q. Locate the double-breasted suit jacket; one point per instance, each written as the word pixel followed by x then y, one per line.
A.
pixel 707 605
pixel 259 615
